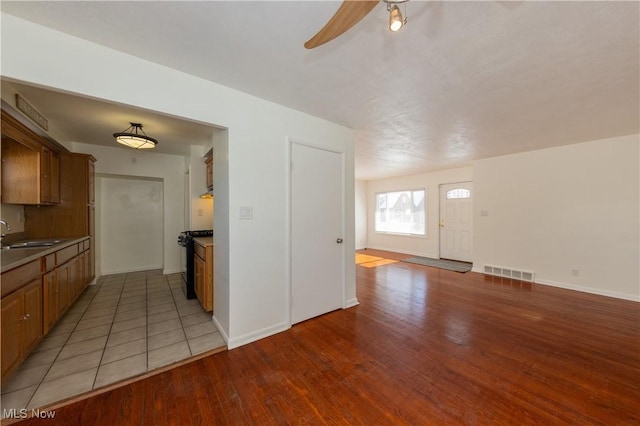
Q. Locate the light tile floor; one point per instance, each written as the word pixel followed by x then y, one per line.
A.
pixel 125 325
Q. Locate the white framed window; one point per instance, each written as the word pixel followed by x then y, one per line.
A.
pixel 458 193
pixel 401 212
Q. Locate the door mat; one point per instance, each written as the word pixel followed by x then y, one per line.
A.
pixel 451 265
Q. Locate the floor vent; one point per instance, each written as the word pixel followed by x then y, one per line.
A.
pixel 516 274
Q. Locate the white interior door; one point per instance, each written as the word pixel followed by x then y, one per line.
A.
pixel 456 221
pixel 317 270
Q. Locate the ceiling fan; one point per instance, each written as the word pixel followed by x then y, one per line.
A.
pixel 350 13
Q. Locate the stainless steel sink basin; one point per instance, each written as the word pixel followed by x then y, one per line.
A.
pixel 31 244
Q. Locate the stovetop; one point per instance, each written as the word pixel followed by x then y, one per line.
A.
pixel 185 238
pixel 200 233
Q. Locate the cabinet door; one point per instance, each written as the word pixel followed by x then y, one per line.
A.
pixel 91 181
pixel 209 173
pixel 64 279
pixel 50 300
pixel 11 319
pixel 20 173
pixel 208 284
pixel 32 318
pixel 45 175
pixel 80 277
pixel 199 278
pixel 74 278
pixel 55 178
pixel 88 276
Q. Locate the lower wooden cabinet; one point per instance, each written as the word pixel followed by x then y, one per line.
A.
pixel 203 267
pixel 61 287
pixel 21 324
pixel 11 317
pixel 37 294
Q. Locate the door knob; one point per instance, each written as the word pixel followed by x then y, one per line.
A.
pixel 339 241
pixel 441 223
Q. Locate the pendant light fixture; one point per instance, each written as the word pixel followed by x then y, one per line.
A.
pixel 134 137
pixel 396 20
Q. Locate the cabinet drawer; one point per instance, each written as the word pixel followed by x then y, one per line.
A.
pixel 66 254
pixel 48 262
pixel 18 277
pixel 200 251
pixel 86 244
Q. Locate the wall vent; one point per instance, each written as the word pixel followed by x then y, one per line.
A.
pixel 516 274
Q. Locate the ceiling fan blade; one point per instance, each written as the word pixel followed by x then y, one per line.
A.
pixel 350 13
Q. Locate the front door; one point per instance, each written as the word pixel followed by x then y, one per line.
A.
pixel 456 221
pixel 317 270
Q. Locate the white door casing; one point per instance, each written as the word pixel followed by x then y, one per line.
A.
pixel 317 252
pixel 456 221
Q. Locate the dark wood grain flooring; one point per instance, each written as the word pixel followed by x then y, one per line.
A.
pixel 425 346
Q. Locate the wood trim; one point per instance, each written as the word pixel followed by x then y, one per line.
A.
pixel 20 129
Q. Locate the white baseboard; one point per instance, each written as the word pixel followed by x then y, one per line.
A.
pixel 351 303
pixel 591 290
pixel 128 270
pixel 221 330
pixel 235 342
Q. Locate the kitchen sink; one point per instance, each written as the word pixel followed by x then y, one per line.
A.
pixel 31 244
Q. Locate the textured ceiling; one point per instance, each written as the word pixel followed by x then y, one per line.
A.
pixel 461 81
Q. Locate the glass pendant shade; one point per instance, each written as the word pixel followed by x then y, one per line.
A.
pixel 134 137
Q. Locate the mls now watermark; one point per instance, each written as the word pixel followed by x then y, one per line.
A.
pixel 23 413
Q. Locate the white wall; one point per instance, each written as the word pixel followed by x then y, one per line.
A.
pixel 130 229
pixel 257 144
pixel 420 246
pixel 361 214
pixel 167 168
pixel 556 210
pixel 221 278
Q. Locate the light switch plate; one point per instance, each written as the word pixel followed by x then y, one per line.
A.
pixel 246 213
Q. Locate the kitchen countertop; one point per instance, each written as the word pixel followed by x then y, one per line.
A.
pixel 204 241
pixel 12 258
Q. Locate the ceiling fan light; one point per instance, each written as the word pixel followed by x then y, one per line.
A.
pixel 395 19
pixel 134 137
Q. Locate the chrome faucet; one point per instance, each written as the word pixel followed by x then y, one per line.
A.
pixel 2 222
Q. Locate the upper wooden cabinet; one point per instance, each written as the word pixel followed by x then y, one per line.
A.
pixel 74 215
pixel 208 159
pixel 29 176
pixel 30 165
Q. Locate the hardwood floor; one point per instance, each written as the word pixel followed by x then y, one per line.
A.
pixel 425 346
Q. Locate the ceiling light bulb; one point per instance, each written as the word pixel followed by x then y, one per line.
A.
pixel 395 19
